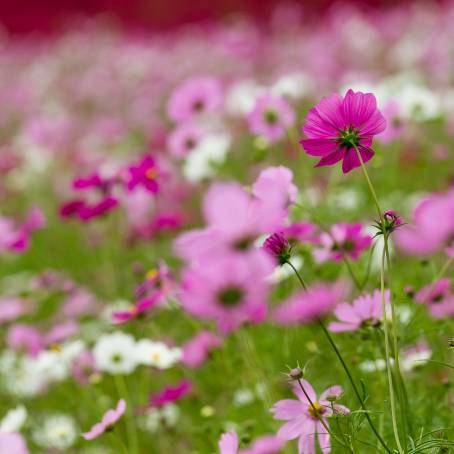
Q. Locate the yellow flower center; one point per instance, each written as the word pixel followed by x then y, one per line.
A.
pixel 151 274
pixel 315 409
pixel 55 348
pixel 155 357
pixel 151 173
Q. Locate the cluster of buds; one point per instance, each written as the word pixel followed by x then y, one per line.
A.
pixel 389 222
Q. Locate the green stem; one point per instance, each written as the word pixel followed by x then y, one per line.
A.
pixel 387 354
pixel 349 375
pixel 298 275
pixel 350 271
pixel 399 380
pixel 352 382
pixel 118 441
pixel 123 392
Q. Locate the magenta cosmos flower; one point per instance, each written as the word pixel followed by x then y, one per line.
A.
pixel 303 418
pixel 438 297
pixel 366 310
pixel 144 174
pixel 343 239
pixel 141 307
pixel 170 394
pixel 270 117
pixel 307 306
pixel 194 97
pixel 107 421
pixel 336 125
pixel 229 289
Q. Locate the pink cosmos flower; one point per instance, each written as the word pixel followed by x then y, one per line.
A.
pixel 12 443
pixel 343 238
pixel 170 394
pixel 60 332
pixel 144 174
pixel 303 417
pixel 270 117
pixel 338 124
pixel 197 349
pixel 139 308
pixel 11 308
pixel 25 337
pixel 236 219
pixel 229 289
pixel 267 444
pixel 395 125
pixel 274 185
pixel 183 139
pixel 83 367
pixel 107 421
pixel 157 279
pixel 438 297
pixel 194 97
pixel 228 444
pixel 433 226
pixel 366 310
pixel 307 306
pixel 15 237
pixel 304 232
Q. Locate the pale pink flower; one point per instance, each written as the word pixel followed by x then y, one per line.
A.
pixel 194 97
pixel 183 139
pixel 228 444
pixel 438 297
pixel 108 420
pixel 366 310
pixel 342 239
pixel 270 117
pixel 303 416
pixel 11 308
pixel 12 443
pixel 307 306
pixel 197 349
pixel 229 289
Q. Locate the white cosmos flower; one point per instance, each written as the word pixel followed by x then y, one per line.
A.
pixel 14 419
pixel 20 374
pixel 211 150
pixel 241 97
pixel 157 354
pixel 115 353
pixel 293 86
pixel 57 431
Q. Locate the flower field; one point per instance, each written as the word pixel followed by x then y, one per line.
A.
pixel 230 237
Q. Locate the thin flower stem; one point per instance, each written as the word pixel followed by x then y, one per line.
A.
pixel 399 380
pixel 118 441
pixel 387 354
pixel 352 382
pixel 122 390
pixel 349 375
pixel 319 417
pixel 350 271
pixel 369 182
pixel 298 275
pixel 385 254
